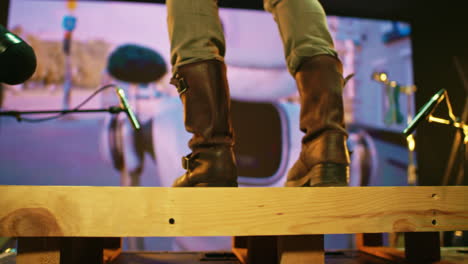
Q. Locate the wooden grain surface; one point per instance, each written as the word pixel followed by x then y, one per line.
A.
pixel 38 211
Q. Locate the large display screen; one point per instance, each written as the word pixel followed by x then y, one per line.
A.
pixel 74 40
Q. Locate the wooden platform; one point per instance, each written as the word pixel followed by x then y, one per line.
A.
pixel 68 224
pixel 69 211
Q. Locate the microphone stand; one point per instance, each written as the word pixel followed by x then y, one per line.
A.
pixel 124 107
pixel 460 141
pixel 17 114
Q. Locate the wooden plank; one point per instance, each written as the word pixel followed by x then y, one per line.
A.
pixel 40 211
pixel 241 254
pixel 70 250
pixel 38 250
pixel 392 254
pixel 112 248
pixel 239 248
pixel 303 249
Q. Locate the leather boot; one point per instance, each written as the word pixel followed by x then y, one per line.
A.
pixel 324 157
pixel 204 92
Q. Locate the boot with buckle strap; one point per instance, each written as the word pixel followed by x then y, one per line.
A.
pixel 324 157
pixel 204 92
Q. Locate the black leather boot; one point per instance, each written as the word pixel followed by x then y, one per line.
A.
pixel 324 158
pixel 204 92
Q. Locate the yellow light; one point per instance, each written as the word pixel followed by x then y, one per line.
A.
pixel 383 77
pixel 438 120
pixel 411 142
pixel 71 4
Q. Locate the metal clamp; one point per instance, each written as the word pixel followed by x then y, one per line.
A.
pixel 179 83
pixel 186 162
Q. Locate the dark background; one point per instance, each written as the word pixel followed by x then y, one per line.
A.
pixel 439 34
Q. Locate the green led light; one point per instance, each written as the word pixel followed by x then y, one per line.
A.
pixel 13 38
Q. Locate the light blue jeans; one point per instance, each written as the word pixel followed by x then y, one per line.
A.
pixel 196 33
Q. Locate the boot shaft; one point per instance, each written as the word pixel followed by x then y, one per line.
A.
pixel 204 92
pixel 320 84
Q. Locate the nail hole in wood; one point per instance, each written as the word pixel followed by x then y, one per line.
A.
pixel 171 221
